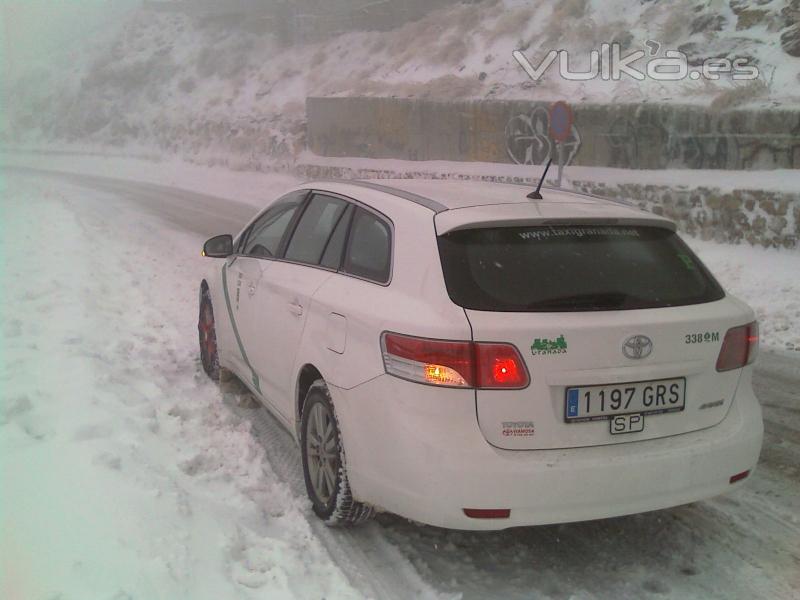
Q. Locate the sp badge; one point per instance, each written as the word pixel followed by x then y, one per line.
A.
pixel 627 423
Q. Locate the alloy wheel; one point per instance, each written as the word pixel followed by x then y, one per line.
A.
pixel 322 450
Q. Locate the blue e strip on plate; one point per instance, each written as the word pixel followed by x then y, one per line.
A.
pixel 572 402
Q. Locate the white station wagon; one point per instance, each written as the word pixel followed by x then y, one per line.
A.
pixel 468 357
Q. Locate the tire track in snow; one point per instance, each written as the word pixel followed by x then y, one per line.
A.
pixel 190 211
pixel 373 564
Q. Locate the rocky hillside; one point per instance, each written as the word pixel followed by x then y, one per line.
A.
pixel 203 87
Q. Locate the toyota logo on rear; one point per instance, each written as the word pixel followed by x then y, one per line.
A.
pixel 637 346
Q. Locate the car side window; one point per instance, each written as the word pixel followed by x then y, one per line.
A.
pixel 332 257
pixel 314 229
pixel 265 235
pixel 369 249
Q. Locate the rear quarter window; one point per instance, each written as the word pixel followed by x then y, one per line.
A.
pixel 572 268
pixel 369 248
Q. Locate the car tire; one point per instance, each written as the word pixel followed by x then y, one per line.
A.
pixel 324 465
pixel 206 327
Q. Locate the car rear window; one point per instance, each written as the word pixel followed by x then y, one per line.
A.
pixel 572 268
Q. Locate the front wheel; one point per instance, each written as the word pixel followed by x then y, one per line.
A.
pixel 324 467
pixel 206 327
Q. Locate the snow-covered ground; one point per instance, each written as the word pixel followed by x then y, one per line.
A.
pixel 125 473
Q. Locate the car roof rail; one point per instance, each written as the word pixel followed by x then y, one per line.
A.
pixel 430 203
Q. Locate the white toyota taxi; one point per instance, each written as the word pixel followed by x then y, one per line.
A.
pixel 468 357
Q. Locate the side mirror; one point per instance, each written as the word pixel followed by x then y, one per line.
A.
pixel 220 246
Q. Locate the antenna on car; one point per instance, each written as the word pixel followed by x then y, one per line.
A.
pixel 535 195
pixel 560 129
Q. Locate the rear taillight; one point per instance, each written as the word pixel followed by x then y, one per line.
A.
pixel 429 361
pixel 739 348
pixel 454 363
pixel 499 366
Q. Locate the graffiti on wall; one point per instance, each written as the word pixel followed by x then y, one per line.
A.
pixel 528 140
pixel 647 142
pixel 635 136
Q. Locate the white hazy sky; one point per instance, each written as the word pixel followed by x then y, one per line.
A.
pixel 38 32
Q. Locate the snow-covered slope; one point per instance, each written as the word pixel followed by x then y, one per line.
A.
pixel 186 84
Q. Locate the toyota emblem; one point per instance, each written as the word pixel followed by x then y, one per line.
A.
pixel 637 346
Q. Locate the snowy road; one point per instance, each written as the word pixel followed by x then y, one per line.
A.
pixel 126 474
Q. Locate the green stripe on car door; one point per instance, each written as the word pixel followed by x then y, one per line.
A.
pixel 236 329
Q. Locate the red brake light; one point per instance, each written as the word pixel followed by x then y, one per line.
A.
pixel 454 363
pixel 739 348
pixel 500 366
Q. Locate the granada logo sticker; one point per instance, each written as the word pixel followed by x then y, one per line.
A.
pixel 517 428
pixel 546 346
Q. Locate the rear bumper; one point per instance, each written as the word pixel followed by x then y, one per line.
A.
pixel 417 451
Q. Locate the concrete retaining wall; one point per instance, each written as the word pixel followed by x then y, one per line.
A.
pixel 629 136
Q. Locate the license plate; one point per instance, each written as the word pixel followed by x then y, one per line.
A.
pixel 598 402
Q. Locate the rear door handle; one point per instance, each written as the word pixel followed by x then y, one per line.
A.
pixel 295 309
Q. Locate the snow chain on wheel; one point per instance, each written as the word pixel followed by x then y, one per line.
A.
pixel 324 464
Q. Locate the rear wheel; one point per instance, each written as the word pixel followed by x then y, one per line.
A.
pixel 206 328
pixel 324 466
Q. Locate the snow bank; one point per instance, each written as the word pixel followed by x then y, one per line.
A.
pixel 124 474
